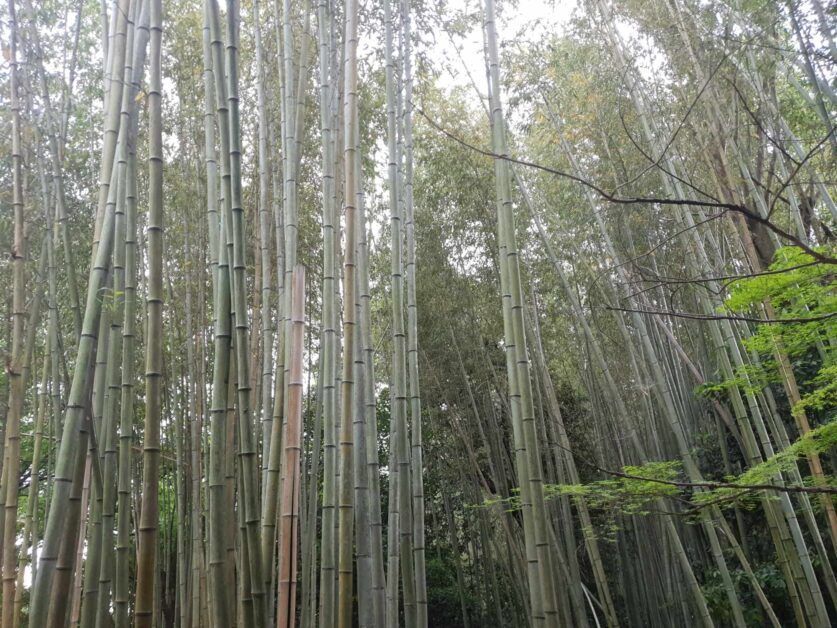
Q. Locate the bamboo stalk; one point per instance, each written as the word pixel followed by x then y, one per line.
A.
pixel 289 533
pixel 148 524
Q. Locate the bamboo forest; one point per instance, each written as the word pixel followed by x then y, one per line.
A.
pixel 420 313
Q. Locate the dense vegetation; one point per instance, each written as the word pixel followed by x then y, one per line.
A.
pixel 418 313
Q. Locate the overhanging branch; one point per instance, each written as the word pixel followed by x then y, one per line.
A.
pixel 638 200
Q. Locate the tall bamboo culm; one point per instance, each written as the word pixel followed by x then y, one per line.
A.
pixel 17 384
pixel 148 524
pixel 289 533
pixel 414 392
pixel 63 517
pixel 328 363
pixel 345 565
pixel 516 343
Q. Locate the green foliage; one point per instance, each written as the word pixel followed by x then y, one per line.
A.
pixel 825 394
pixel 632 494
pixel 444 604
pixel 629 495
pixel 817 441
pixel 636 488
pixel 770 580
pixel 798 289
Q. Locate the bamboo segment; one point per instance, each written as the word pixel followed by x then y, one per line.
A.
pixel 17 384
pixel 148 525
pixel 345 501
pixel 289 529
pixel 516 340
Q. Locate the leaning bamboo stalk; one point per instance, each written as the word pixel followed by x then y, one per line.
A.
pixel 787 373
pixel 516 341
pixel 289 533
pixel 96 609
pixel 590 541
pixel 609 379
pixel 30 532
pixel 116 55
pixel 264 252
pixel 512 402
pixel 55 158
pixel 75 433
pixel 797 554
pixel 710 532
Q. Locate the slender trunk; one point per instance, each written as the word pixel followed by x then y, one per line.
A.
pixel 148 524
pixel 17 384
pixel 350 139
pixel 416 450
pixel 399 443
pixel 289 533
pixel 328 103
pixel 516 340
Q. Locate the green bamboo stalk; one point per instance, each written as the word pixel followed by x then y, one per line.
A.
pixel 17 384
pixel 516 341
pixel 121 592
pixel 350 143
pixel 416 451
pixel 96 608
pixel 30 530
pixel 457 558
pixel 399 446
pixel 177 423
pixel 197 591
pixel 360 469
pixel 328 102
pixel 247 453
pixel 220 565
pixel 293 109
pixel 264 251
pixel 31 522
pixel 373 518
pixel 55 158
pixel 221 612
pixel 535 610
pixel 115 60
pixel 75 433
pixel 72 553
pixel 148 524
pixel 308 564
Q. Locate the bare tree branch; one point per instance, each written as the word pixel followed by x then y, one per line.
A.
pixel 721 317
pixel 638 200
